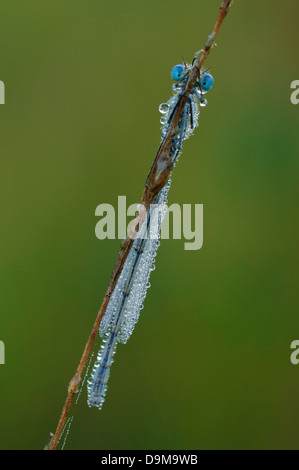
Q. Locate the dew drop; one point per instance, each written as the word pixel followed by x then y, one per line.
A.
pixel 163 108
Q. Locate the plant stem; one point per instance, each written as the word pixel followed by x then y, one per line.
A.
pixel 158 177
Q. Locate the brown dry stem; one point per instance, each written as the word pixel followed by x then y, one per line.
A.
pixel 158 177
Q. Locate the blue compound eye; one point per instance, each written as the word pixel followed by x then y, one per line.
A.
pixel 177 72
pixel 207 81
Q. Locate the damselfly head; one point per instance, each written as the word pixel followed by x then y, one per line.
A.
pixel 207 82
pixel 177 72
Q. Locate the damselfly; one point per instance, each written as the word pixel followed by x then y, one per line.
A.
pixel 126 301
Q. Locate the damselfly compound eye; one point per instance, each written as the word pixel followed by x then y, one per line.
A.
pixel 207 82
pixel 177 72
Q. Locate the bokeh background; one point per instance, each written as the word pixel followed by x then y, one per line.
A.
pixel 208 365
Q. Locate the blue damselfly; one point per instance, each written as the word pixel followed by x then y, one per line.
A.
pixel 126 302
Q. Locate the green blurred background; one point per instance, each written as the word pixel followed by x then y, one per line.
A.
pixel 208 365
